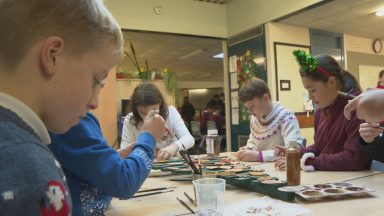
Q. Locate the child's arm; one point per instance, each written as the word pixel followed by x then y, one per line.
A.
pixel 184 139
pixel 128 133
pixel 369 106
pixel 351 158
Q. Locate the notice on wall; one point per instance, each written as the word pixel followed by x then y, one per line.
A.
pixel 234 83
pixel 235 116
pixel 233 63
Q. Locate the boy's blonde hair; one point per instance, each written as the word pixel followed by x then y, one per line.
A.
pixel 83 25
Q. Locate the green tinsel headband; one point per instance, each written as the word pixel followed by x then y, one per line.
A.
pixel 309 63
pixel 306 61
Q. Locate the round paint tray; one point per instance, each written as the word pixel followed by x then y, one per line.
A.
pixel 296 188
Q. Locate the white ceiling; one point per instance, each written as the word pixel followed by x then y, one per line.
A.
pixel 354 17
pixel 190 57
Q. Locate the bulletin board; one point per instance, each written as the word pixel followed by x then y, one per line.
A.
pixel 290 91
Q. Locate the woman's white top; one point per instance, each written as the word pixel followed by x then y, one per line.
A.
pixel 176 132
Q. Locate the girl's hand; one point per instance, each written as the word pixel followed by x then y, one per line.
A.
pixel 167 152
pixel 124 152
pixel 368 131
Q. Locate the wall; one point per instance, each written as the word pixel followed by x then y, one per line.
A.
pixel 359 52
pixel 246 14
pixel 178 16
pixel 106 112
pixel 125 88
pixel 276 32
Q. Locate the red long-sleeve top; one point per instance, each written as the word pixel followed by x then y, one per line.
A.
pixel 336 140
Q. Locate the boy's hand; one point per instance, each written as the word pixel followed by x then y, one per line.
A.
pixel 247 155
pixel 154 124
pixel 280 163
pixel 368 131
pixel 280 151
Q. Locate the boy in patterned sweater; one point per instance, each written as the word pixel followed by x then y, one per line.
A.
pixel 271 124
pixel 53 56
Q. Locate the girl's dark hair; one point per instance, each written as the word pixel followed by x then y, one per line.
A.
pixel 254 88
pixel 147 94
pixel 381 73
pixel 346 80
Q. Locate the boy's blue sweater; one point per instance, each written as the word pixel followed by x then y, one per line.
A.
pixel 95 172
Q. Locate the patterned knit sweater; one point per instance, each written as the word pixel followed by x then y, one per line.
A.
pixel 278 128
pixel 31 180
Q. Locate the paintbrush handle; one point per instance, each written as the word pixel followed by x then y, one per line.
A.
pixel 153 193
pixel 185 205
pixel 154 189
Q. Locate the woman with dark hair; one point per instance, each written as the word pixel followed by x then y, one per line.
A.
pixel 336 138
pixel 146 97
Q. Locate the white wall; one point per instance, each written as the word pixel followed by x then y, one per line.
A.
pixel 178 16
pixel 282 33
pixel 276 32
pixel 243 15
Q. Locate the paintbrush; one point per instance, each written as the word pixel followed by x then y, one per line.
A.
pixel 188 159
pixel 153 193
pixel 185 205
pixel 190 199
pixel 347 94
pixel 155 189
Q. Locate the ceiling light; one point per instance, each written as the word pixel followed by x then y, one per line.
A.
pixel 198 91
pixel 380 13
pixel 196 52
pixel 220 55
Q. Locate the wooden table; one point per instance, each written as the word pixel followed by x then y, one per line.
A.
pixel 166 203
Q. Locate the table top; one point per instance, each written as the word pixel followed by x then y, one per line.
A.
pixel 166 203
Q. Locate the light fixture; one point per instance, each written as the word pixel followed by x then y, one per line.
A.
pixel 204 75
pixel 196 52
pixel 198 91
pixel 220 55
pixel 380 13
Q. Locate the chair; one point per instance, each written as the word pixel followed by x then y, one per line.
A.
pixel 195 128
pixel 211 125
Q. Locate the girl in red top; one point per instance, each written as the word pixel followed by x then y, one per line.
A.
pixel 380 83
pixel 336 138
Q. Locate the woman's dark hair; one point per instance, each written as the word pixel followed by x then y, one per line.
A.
pixel 346 80
pixel 254 88
pixel 147 94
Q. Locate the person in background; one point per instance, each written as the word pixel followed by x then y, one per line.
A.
pixel 53 56
pixel 222 104
pixel 214 101
pixel 205 117
pixel 218 119
pixel 188 112
pixel 271 124
pixel 147 97
pixel 380 82
pixel 336 139
pixel 369 106
pixel 95 172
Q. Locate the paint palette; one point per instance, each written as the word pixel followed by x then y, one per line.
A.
pixel 335 190
pixel 258 181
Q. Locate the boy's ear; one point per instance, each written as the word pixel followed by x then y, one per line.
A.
pixel 52 47
pixel 266 97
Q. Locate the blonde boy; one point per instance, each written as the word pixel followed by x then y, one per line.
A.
pixel 54 56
